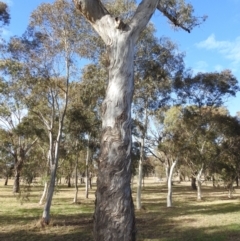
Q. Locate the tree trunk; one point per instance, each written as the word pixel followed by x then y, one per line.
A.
pixel 6 181
pixel 230 189
pixel 114 213
pixel 199 185
pixel 237 181
pixel 213 181
pixel 87 174
pixel 167 170
pixel 44 193
pixel 19 157
pixel 16 184
pixel 193 183
pixel 140 168
pixel 76 182
pixel 47 206
pixel 69 180
pixel 169 181
pixel 90 180
pixel 139 185
pixel 53 161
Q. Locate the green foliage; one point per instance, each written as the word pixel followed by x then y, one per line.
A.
pixel 4 14
pixel 180 14
pixel 206 89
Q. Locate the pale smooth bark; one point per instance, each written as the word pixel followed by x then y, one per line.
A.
pixel 169 182
pixel 198 178
pixel 76 182
pixel 87 171
pixel 55 144
pixel 47 206
pixel 139 183
pixel 230 189
pixel 140 165
pixel 199 184
pixel 45 189
pixel 53 155
pixel 167 169
pixel 44 194
pixel 114 217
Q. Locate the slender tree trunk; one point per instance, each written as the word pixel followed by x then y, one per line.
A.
pixel 69 180
pixel 19 156
pixel 193 183
pixel 90 180
pixel 237 181
pixel 139 185
pixel 16 184
pixel 140 168
pixel 230 189
pixel 53 161
pixel 76 182
pixel 47 206
pixel 44 194
pixel 167 170
pixel 213 181
pixel 199 184
pixel 169 195
pixel 87 174
pixel 54 145
pixel 6 181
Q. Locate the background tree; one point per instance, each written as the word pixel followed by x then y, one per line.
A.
pixel 12 113
pixel 227 165
pixel 157 61
pixel 51 45
pixel 203 94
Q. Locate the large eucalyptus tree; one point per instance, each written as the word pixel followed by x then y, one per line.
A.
pixel 114 212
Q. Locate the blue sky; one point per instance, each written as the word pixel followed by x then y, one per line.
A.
pixel 212 46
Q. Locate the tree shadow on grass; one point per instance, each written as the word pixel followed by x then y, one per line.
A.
pixel 61 228
pixel 27 235
pixel 163 226
pixel 159 223
pixel 173 233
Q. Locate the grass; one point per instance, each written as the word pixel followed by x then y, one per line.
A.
pixel 215 218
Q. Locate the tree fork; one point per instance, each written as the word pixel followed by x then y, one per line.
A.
pixel 114 212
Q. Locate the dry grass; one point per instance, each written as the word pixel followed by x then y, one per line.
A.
pixel 215 218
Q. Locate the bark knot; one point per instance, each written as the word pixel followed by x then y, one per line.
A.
pixel 119 24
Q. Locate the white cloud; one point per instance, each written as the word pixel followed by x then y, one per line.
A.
pixel 229 49
pixel 200 66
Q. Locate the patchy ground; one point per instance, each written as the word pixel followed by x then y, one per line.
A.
pixel 215 218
